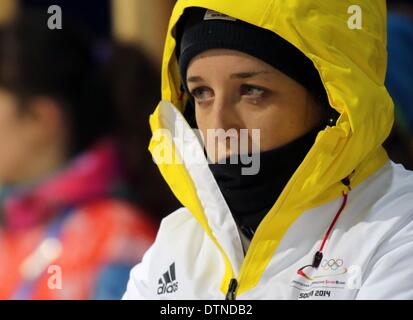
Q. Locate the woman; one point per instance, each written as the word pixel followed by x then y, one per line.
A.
pixel 327 216
pixel 68 227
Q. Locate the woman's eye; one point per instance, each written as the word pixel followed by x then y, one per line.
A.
pixel 202 94
pixel 252 92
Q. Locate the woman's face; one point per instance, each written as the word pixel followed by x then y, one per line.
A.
pixel 233 90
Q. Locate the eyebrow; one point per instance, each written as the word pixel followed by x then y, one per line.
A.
pixel 195 79
pixel 246 75
pixel 240 75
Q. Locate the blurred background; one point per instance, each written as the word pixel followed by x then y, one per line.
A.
pixel 139 22
pixel 78 189
pixel 80 197
pixel 399 79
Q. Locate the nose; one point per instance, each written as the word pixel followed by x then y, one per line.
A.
pixel 223 139
pixel 223 113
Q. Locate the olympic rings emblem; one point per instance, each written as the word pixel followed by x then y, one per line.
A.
pixel 332 264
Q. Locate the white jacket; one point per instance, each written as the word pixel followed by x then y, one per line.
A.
pixel 368 253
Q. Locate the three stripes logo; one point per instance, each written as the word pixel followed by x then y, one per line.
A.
pixel 167 283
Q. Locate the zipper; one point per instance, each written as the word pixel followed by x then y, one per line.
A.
pixel 318 257
pixel 232 288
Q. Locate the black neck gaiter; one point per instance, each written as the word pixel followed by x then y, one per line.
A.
pixel 250 197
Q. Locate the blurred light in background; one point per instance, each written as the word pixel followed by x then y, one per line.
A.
pixel 8 9
pixel 144 22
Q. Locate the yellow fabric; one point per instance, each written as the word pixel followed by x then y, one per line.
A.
pixel 352 65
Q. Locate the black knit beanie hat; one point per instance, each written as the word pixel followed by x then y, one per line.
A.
pixel 200 30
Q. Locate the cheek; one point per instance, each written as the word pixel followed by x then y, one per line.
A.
pixel 278 124
pixel 270 122
pixel 273 132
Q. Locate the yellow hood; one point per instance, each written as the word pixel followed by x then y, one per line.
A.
pixel 352 65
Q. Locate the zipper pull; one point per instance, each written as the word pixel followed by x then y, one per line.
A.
pixel 232 288
pixel 317 259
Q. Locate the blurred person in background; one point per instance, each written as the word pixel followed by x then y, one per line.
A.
pixel 399 79
pixel 69 229
pixel 133 93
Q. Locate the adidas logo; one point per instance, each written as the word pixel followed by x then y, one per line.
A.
pixel 167 283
